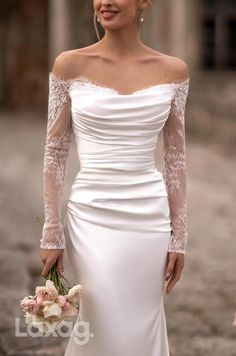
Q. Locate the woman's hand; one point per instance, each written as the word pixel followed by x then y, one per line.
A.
pixel 50 257
pixel 175 264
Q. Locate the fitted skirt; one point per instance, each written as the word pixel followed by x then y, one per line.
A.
pixel 118 251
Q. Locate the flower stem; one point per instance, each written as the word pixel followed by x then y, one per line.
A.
pixel 56 278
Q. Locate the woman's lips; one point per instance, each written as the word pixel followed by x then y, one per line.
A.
pixel 107 15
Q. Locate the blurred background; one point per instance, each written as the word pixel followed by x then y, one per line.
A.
pixel 200 309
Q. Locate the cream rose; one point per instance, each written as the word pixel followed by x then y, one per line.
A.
pixel 52 311
pixel 74 293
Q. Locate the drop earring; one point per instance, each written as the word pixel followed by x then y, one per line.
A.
pixel 98 19
pixel 141 19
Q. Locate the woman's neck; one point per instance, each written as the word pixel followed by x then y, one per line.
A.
pixel 121 44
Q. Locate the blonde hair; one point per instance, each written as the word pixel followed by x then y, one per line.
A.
pixel 95 22
pixel 95 25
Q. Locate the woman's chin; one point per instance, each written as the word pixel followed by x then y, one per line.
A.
pixel 112 26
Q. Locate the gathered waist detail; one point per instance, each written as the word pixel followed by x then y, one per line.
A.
pixel 124 164
pixel 132 157
pixel 134 200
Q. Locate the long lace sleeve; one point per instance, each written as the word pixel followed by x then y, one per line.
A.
pixel 174 167
pixel 58 136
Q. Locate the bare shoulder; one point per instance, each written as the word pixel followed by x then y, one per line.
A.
pixel 175 68
pixel 69 64
pixel 172 68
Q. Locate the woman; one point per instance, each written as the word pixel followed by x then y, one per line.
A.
pixel 125 231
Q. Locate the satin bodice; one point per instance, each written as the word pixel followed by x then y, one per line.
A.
pixel 115 131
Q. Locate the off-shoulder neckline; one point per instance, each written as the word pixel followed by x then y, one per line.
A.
pixel 86 80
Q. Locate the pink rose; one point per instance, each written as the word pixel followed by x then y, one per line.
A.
pixel 66 306
pixel 29 305
pixel 40 299
pixel 47 292
pixel 69 311
pixel 61 300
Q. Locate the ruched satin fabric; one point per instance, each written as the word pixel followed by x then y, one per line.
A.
pixel 117 223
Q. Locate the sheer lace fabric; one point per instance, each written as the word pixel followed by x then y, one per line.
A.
pixel 57 143
pixel 174 167
pixel 58 138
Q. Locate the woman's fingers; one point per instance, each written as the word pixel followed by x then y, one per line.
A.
pixel 60 267
pixel 170 264
pixel 47 266
pixel 50 258
pixel 173 280
pixel 178 262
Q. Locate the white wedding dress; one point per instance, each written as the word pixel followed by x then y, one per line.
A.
pixel 123 214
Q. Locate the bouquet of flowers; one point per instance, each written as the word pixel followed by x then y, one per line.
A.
pixel 52 302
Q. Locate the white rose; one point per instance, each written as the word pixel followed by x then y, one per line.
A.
pixel 52 311
pixel 74 293
pixel 36 321
pixel 28 318
pixel 52 292
pixel 48 302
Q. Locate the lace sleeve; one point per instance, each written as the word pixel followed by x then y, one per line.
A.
pixel 57 143
pixel 174 167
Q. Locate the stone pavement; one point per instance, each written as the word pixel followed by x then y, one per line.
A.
pixel 200 309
